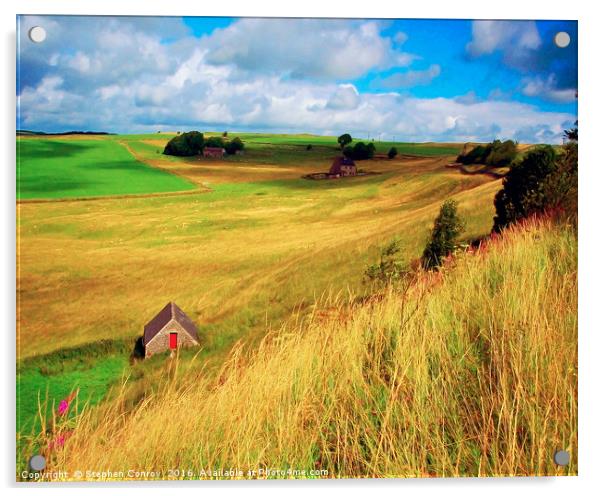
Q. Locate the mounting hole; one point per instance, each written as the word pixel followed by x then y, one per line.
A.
pixel 561 457
pixel 37 34
pixel 562 39
pixel 37 463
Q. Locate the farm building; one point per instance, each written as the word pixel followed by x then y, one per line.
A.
pixel 170 329
pixel 342 166
pixel 213 152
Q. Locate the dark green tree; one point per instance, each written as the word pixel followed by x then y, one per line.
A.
pixel 523 191
pixel 214 142
pixel 497 154
pixel 560 188
pixel 234 146
pixel 501 153
pixel 446 229
pixel 571 134
pixel 185 144
pixel 392 153
pixel 360 151
pixel 344 139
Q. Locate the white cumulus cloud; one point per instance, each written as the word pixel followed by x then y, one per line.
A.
pixel 121 75
pixel 305 48
pixel 511 37
pixel 547 89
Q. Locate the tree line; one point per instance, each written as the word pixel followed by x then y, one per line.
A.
pixel 360 150
pixel 193 142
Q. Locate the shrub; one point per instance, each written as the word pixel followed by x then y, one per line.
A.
pixel 308 147
pixel 524 188
pixel 560 187
pixel 444 235
pixel 501 154
pixel 234 146
pixel 392 152
pixel 477 155
pixel 344 139
pixel 497 154
pixel 359 151
pixel 225 134
pixel 185 145
pixel 388 269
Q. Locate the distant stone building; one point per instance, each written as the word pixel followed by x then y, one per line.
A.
pixel 213 152
pixel 342 166
pixel 170 329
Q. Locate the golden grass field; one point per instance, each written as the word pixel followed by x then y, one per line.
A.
pixel 264 239
pixel 452 375
pixel 303 365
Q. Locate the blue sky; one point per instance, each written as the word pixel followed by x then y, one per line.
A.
pixel 415 80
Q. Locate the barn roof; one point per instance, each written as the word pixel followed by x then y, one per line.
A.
pixel 170 312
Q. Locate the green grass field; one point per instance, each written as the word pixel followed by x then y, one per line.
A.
pixel 40 389
pixel 79 167
pixel 69 168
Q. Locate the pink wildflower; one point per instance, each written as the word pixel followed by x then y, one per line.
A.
pixel 59 441
pixel 63 407
pixel 64 404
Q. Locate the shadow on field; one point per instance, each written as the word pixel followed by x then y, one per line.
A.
pixel 49 185
pixel 326 184
pixel 127 165
pixel 48 148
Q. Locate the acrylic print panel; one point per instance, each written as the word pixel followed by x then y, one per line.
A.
pixel 361 230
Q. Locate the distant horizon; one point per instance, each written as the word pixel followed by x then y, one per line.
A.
pixel 355 138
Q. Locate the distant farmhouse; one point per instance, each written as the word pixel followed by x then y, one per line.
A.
pixel 342 167
pixel 213 152
pixel 170 329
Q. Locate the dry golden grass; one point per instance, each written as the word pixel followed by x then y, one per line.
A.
pixel 101 269
pixel 469 371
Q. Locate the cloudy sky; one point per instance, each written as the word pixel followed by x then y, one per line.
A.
pixel 411 80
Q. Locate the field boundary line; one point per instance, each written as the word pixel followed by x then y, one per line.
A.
pixel 115 197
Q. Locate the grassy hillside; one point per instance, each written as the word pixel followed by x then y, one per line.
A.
pixel 109 265
pixel 253 247
pixel 469 371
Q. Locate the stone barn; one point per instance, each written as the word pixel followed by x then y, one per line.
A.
pixel 170 329
pixel 213 152
pixel 342 166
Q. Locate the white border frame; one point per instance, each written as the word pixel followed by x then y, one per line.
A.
pixel 590 273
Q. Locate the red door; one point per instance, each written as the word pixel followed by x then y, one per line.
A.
pixel 173 340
